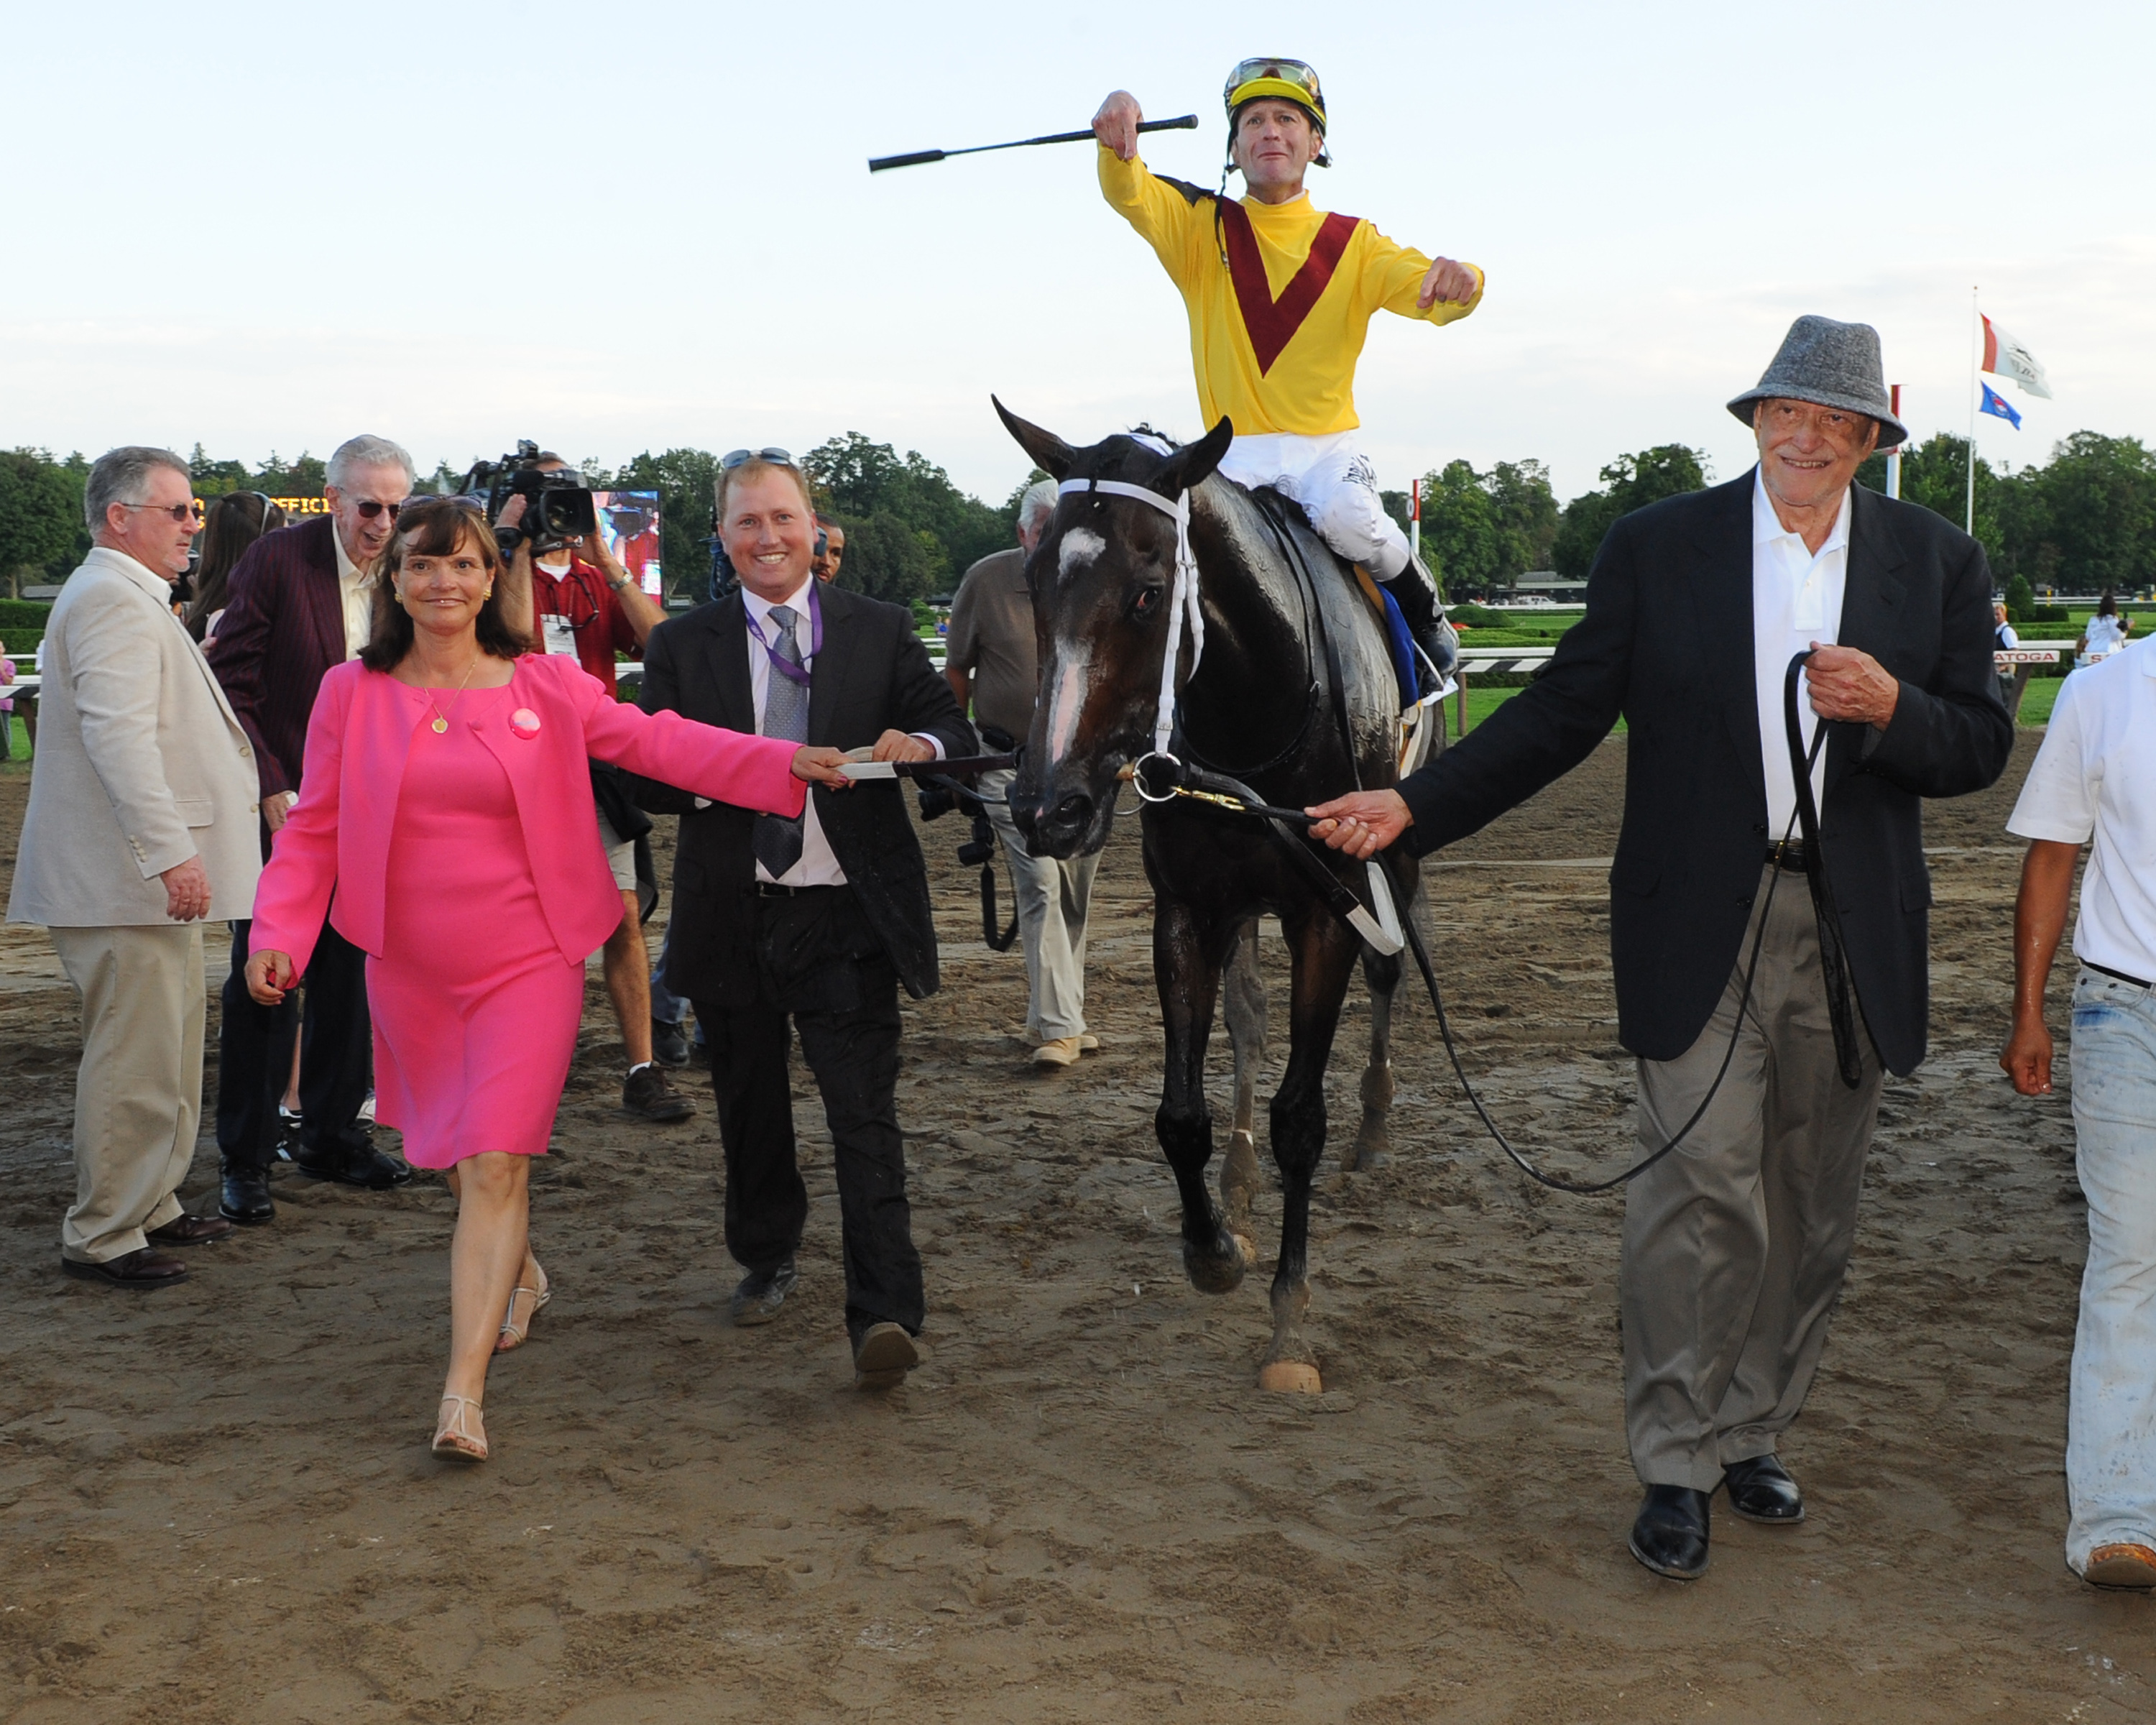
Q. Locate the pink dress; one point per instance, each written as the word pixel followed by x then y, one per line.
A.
pixel 476 1015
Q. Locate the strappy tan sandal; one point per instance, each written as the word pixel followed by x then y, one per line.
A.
pixel 461 1435
pixel 513 1331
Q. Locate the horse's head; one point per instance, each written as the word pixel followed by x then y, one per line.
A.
pixel 1102 578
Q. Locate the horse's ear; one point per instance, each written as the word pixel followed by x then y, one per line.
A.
pixel 1050 454
pixel 1195 462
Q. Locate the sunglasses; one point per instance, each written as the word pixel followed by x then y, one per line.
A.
pixel 178 511
pixel 729 462
pixel 370 508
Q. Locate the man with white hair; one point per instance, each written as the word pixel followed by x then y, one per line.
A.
pixel 989 660
pixel 141 823
pixel 300 601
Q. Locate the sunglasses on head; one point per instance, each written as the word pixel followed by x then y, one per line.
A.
pixel 178 511
pixel 734 459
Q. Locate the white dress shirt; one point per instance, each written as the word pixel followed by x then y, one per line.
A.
pixel 817 865
pixel 1796 600
pixel 2090 780
pixel 356 587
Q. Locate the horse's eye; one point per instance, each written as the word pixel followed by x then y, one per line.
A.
pixel 1144 602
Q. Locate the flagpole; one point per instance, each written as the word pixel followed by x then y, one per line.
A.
pixel 1894 455
pixel 1975 355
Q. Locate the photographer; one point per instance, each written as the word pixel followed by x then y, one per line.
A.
pixel 571 595
pixel 992 640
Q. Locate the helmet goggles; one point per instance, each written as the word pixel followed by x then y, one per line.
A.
pixel 1290 80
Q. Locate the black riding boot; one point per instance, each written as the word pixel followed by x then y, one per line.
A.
pixel 1416 595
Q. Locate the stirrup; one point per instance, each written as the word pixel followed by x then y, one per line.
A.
pixel 513 1332
pixel 460 1433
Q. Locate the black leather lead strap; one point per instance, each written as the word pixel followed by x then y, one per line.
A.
pixel 1834 955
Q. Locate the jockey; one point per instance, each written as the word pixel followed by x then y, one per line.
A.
pixel 1279 296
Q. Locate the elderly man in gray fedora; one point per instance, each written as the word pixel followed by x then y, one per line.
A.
pixel 1736 1243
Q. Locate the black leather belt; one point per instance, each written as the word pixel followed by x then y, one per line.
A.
pixel 772 888
pixel 1790 857
pixel 2118 975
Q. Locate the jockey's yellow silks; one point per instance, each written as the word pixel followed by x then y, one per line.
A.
pixel 1275 352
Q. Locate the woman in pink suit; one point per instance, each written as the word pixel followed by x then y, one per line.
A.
pixel 447 801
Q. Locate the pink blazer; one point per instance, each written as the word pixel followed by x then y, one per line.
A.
pixel 361 734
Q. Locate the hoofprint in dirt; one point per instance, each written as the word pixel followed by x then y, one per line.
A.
pixel 215 1504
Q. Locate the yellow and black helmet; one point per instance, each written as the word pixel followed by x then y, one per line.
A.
pixel 1282 80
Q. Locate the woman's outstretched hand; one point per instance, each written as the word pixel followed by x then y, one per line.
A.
pixel 269 975
pixel 820 766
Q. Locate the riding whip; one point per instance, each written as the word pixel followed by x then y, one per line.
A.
pixel 920 159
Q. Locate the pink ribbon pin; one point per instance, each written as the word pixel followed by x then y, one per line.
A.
pixel 524 723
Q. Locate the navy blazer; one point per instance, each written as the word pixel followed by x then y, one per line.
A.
pixel 1666 642
pixel 282 630
pixel 872 675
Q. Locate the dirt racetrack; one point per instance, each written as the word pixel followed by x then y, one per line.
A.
pixel 215 1504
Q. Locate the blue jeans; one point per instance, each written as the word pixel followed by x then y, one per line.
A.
pixel 2111 1419
pixel 668 1007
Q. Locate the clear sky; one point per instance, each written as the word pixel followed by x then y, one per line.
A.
pixel 628 227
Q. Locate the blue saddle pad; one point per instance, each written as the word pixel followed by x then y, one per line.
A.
pixel 1406 668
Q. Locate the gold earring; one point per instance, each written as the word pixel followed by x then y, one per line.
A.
pixel 488 594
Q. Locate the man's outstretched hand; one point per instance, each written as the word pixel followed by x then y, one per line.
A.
pixel 1362 823
pixel 1117 124
pixel 1455 284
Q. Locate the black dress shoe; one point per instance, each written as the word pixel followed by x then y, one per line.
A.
pixel 184 1229
pixel 668 1046
pixel 141 1269
pixel 244 1194
pixel 649 1096
pixel 1761 1490
pixel 760 1294
pixel 352 1164
pixel 1670 1536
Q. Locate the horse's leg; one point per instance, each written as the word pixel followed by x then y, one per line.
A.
pixel 1372 1141
pixel 1324 950
pixel 1186 964
pixel 1243 1001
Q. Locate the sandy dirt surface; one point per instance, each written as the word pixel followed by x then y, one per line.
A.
pixel 215 1504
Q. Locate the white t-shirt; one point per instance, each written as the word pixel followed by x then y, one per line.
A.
pixel 2092 781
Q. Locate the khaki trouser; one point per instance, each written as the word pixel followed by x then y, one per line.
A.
pixel 138 1092
pixel 1052 900
pixel 1737 1242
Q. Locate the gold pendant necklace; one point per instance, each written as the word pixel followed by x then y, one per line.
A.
pixel 441 719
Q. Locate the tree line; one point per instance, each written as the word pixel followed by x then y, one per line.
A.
pixel 2082 521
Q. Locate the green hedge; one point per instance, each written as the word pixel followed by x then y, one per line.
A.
pixel 21 627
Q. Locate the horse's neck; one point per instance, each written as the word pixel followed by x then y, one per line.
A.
pixel 1254 611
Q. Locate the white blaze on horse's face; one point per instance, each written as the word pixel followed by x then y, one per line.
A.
pixel 1066 700
pixel 1080 546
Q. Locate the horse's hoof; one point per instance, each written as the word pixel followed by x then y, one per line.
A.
pixel 1219 1275
pixel 1291 1377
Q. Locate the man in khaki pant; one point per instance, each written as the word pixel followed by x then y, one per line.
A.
pixel 141 823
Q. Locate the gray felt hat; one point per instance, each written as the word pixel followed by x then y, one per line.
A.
pixel 1836 365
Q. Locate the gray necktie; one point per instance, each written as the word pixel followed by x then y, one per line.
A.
pixel 776 841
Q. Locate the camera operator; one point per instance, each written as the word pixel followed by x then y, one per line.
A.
pixel 573 596
pixel 991 640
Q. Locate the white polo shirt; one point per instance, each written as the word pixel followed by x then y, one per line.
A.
pixel 2092 781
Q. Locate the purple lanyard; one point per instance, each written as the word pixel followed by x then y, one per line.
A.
pixel 785 667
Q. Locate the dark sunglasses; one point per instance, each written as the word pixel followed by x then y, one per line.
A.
pixel 178 511
pixel 728 463
pixel 370 508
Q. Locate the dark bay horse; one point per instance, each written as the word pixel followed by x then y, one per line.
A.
pixel 1263 706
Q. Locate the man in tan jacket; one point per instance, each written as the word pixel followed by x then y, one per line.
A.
pixel 141 823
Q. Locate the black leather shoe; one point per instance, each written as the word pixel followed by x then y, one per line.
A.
pixel 648 1095
pixel 1761 1490
pixel 1670 1536
pixel 244 1194
pixel 141 1269
pixel 668 1046
pixel 352 1162
pixel 184 1229
pixel 760 1294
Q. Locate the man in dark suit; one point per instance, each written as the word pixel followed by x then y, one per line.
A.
pixel 300 601
pixel 1736 1245
pixel 819 920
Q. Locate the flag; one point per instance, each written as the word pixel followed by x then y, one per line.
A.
pixel 2005 357
pixel 1999 407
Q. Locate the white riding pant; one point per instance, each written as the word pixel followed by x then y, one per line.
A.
pixel 1334 483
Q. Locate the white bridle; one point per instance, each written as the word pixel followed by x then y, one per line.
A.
pixel 1184 603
